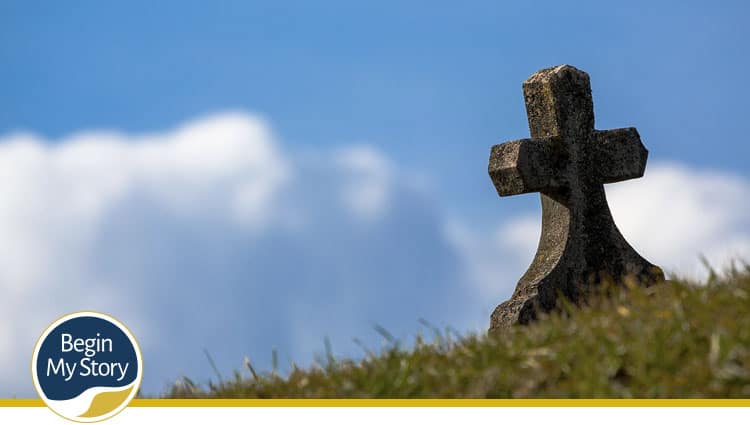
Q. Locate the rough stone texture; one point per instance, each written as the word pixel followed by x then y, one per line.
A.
pixel 568 161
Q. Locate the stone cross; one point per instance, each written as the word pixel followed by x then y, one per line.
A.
pixel 568 162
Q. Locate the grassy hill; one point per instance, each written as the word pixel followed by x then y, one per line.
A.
pixel 680 339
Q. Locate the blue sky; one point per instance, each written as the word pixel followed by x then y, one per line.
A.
pixel 407 76
pixel 353 138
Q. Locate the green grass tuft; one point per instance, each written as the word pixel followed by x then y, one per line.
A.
pixel 678 339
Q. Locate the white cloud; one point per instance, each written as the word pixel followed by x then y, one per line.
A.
pixel 212 236
pixel 494 261
pixel 672 216
pixel 209 236
pixel 676 213
pixel 368 178
pixel 55 198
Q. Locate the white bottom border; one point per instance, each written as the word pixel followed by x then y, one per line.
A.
pixel 397 415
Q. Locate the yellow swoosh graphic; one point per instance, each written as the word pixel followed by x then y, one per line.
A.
pixel 106 402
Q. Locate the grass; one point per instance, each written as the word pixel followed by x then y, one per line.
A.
pixel 678 339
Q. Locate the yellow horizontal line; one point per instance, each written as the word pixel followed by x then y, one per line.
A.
pixel 21 402
pixel 413 403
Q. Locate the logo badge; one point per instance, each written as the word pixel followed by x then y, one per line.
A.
pixel 87 366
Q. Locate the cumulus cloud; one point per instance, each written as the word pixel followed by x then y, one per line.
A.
pixel 676 213
pixel 57 200
pixel 673 216
pixel 213 235
pixel 368 175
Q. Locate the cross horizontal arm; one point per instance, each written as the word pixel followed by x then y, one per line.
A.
pixel 619 154
pixel 522 166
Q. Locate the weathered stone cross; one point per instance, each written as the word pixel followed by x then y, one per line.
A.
pixel 568 162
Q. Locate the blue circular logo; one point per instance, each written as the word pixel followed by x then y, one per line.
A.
pixel 87 366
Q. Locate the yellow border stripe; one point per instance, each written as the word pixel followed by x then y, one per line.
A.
pixel 675 402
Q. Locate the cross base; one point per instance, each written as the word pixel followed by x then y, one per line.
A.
pixel 525 305
pixel 579 251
